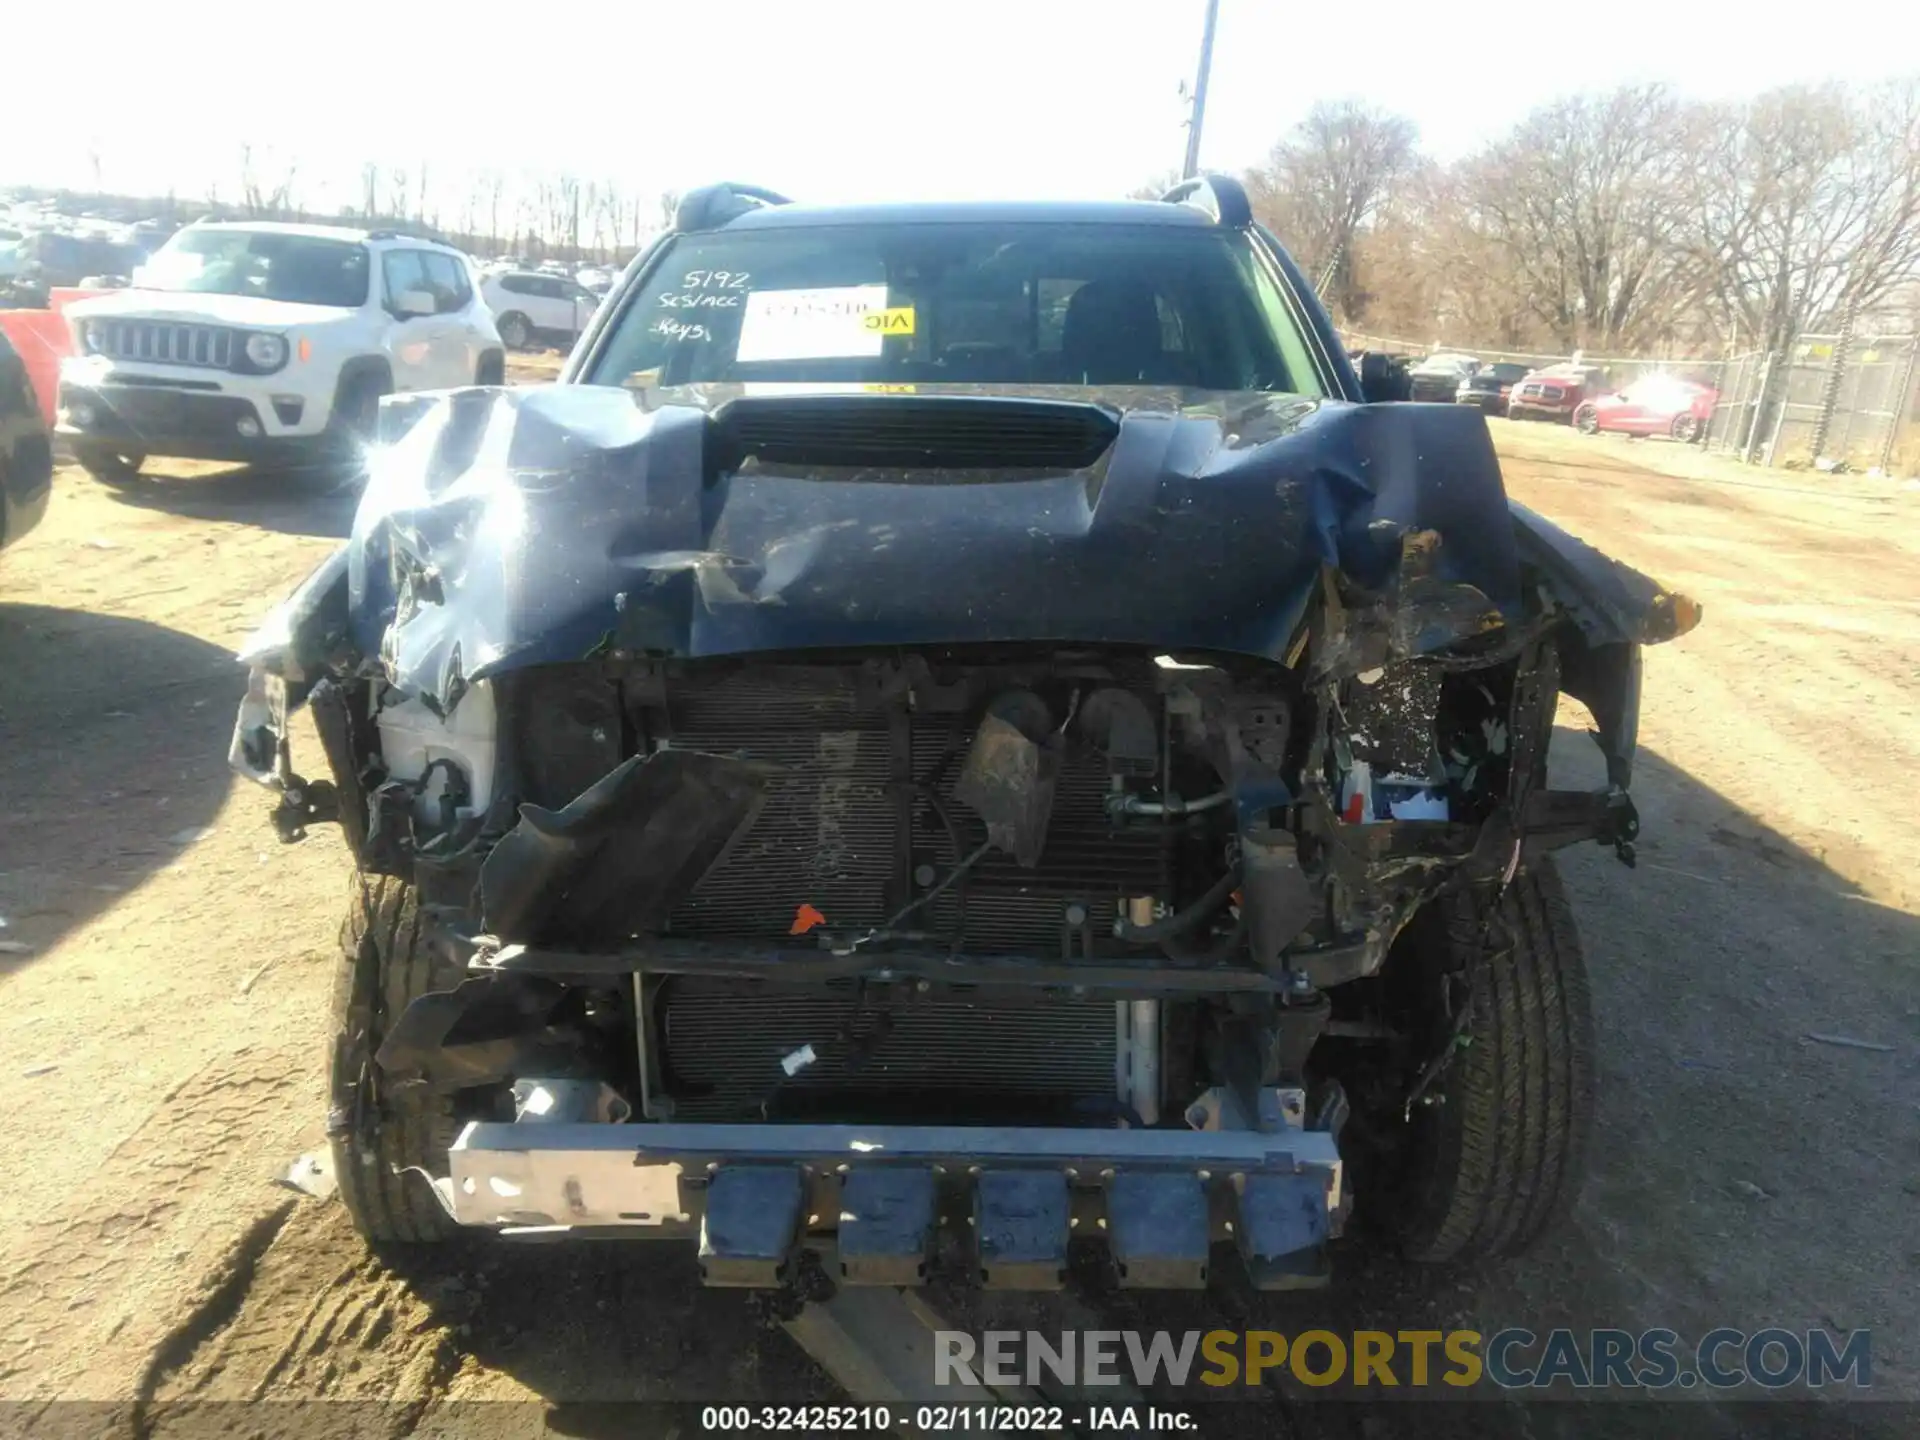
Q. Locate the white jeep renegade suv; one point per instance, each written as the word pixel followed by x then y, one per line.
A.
pixel 269 343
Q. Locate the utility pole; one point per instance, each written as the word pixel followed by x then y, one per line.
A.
pixel 1199 115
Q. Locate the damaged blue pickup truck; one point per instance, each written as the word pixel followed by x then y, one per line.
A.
pixel 953 731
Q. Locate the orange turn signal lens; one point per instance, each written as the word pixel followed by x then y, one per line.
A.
pixel 306 348
pixel 1673 615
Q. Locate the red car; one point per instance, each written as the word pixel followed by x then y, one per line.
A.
pixel 1555 392
pixel 1651 405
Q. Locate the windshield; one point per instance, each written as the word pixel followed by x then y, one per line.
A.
pixel 302 269
pixel 1503 374
pixel 970 303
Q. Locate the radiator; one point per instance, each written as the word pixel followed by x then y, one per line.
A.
pixel 830 835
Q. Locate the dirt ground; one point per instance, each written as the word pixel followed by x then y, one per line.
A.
pixel 167 967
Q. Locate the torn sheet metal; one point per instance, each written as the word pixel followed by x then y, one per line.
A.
pixel 616 859
pixel 1611 603
pixel 312 1175
pixel 484 1031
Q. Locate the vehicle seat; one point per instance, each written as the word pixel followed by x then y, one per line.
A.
pixel 1111 335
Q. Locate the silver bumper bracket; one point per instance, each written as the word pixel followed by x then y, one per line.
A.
pixel 753 1194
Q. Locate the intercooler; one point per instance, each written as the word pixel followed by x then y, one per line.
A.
pixel 844 832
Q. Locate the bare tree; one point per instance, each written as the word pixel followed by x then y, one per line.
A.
pixel 1586 198
pixel 1807 200
pixel 258 197
pixel 570 214
pixel 491 185
pixel 1323 187
pixel 249 185
pixel 399 194
pixel 1155 187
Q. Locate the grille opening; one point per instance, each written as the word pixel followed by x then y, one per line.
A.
pixel 947 1059
pixel 932 432
pixel 161 342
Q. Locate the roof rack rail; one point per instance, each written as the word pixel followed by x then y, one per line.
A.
pixel 711 206
pixel 408 232
pixel 1220 196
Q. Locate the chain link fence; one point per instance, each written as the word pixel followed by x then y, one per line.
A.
pixel 1830 400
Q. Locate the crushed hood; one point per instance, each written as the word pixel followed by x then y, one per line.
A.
pixel 509 528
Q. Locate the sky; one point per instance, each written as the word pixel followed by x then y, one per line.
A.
pixel 833 99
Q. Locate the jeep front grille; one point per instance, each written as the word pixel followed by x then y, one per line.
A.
pixel 162 342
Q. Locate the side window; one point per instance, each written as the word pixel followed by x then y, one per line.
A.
pixel 402 271
pixel 513 284
pixel 447 278
pixel 552 289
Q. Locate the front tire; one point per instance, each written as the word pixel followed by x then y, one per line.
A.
pixel 107 465
pixel 1586 419
pixel 1484 1172
pixel 1686 428
pixel 354 424
pixel 516 331
pixel 382 1141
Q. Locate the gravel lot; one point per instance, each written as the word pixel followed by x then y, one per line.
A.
pixel 161 1031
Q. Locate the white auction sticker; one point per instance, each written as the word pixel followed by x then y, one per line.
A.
pixel 811 324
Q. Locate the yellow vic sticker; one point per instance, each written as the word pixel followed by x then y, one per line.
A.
pixel 898 321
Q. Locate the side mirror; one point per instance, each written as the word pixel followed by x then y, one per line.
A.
pixel 1382 380
pixel 414 304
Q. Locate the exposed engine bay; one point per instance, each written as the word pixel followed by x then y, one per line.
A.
pixel 1051 820
pixel 1095 908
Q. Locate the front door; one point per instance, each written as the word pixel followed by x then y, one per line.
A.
pixel 411 346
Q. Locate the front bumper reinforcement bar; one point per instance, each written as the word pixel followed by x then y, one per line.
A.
pixel 753 1194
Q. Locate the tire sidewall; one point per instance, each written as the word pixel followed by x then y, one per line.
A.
pixel 383 1144
pixel 356 410
pixel 1483 1173
pixel 108 465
